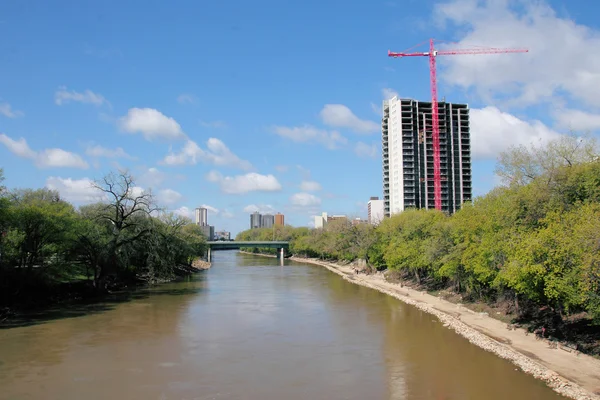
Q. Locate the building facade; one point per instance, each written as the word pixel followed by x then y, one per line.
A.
pixel 208 231
pixel 201 216
pixel 279 219
pixel 267 221
pixel 255 220
pixel 320 221
pixel 223 235
pixel 258 220
pixel 375 208
pixel 408 155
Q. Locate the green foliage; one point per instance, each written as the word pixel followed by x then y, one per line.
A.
pixel 535 241
pixel 47 241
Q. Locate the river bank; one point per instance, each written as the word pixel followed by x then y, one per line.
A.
pixel 41 296
pixel 569 373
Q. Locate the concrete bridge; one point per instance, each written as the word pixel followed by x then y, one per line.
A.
pixel 281 246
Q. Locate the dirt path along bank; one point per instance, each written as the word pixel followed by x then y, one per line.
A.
pixel 571 374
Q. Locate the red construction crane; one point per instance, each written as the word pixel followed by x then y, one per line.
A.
pixel 432 54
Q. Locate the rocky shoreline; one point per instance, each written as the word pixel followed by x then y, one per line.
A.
pixel 558 383
pixel 201 264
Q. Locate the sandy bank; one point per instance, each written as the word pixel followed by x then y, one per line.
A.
pixel 571 374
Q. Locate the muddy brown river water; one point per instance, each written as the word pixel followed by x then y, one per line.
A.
pixel 251 329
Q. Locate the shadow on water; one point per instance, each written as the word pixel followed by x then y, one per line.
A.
pixel 100 304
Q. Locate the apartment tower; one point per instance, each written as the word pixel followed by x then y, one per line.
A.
pixel 267 221
pixel 408 155
pixel 201 216
pixel 279 219
pixel 255 220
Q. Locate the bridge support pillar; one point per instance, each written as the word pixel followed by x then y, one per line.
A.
pixel 282 253
pixel 208 255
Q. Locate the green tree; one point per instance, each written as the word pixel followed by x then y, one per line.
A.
pixel 41 226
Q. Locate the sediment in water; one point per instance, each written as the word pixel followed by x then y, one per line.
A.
pixel 555 381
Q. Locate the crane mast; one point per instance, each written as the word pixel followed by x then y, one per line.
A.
pixel 432 54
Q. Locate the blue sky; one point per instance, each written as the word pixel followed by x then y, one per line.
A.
pixel 271 105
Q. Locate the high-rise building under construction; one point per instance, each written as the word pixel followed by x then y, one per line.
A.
pixel 408 168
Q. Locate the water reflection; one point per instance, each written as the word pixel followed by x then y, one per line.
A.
pixel 252 329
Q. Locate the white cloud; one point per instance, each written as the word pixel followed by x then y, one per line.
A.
pixel 151 123
pixel 388 93
pixel 310 186
pixel 494 131
pixel 63 96
pixel 185 98
pixel 184 212
pixel 60 158
pixel 210 209
pixel 214 124
pixel 365 150
pixel 310 134
pixel 376 109
pixel 563 56
pixel 214 176
pixel 152 177
pixel 261 208
pixel 340 116
pixel 227 214
pixel 304 172
pixel 305 200
pixel 168 197
pixel 137 191
pixel 100 151
pixel 577 120
pixel 75 190
pixel 7 110
pixel 218 154
pixel 47 158
pixel 240 184
pixel 17 147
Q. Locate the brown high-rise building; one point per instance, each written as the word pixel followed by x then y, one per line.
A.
pixel 279 219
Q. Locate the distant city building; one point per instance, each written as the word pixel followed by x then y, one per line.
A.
pixel 267 221
pixel 258 220
pixel 208 231
pixel 408 168
pixel 337 218
pixel 222 235
pixel 201 216
pixel 358 221
pixel 279 219
pixel 375 208
pixel 255 220
pixel 320 221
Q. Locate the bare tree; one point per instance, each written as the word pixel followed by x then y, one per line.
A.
pixel 125 210
pixel 522 164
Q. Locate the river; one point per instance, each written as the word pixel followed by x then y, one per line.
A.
pixel 251 329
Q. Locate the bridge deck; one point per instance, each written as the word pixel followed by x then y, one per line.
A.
pixel 223 245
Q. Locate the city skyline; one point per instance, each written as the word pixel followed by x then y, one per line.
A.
pixel 229 118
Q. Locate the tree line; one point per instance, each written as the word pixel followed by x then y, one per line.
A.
pixel 46 243
pixel 532 243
